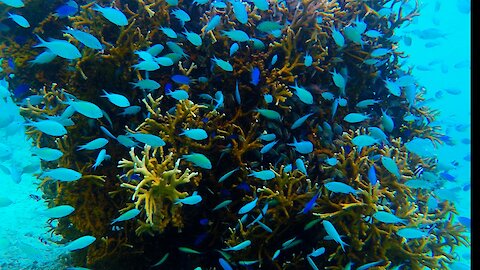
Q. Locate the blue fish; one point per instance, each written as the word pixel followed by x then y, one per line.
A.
pixel 67 9
pixel 190 200
pixel 372 177
pixel 447 176
pixel 234 48
pixel 248 207
pixel 21 90
pixel 181 79
pixel 255 76
pixel 310 204
pixel 303 147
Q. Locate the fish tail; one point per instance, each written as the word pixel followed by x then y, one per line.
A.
pixel 42 42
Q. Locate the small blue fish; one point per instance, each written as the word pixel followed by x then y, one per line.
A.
pixel 304 95
pixel 310 204
pixel 389 218
pixel 79 243
pixel 62 174
pixel 391 166
pixel 331 161
pixel 212 24
pixel 58 211
pixel 332 232
pixel 130 214
pixel 301 166
pixel 197 134
pixel 338 37
pixel 94 144
pixel 113 15
pixel 49 127
pixel 169 32
pixel 238 98
pixel 150 139
pixel 85 38
pixel 61 48
pixel 193 38
pixel 255 76
pixel 274 60
pixel 263 175
pixel 181 15
pixel 239 246
pixel 270 114
pixel 393 88
pixel 411 233
pixel 68 9
pixel 45 57
pixel 261 4
pixel 47 154
pixel 225 65
pixel 267 137
pixel 116 99
pixel 339 81
pixel 303 147
pixel 339 187
pixel 224 264
pixel 369 265
pixel 236 35
pixel 19 19
pixel 190 200
pixel 234 48
pixel 222 205
pixel 268 147
pixel 248 207
pixel 181 79
pixel 268 98
pixel 13 3
pixel 308 60
pixel 198 160
pixel 356 117
pixel 102 155
pixel 372 176
pixel 178 94
pixel 363 141
pixel 317 252
pixel 240 11
pixel 300 121
pixel 379 52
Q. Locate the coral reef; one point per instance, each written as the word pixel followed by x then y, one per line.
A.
pixel 235 110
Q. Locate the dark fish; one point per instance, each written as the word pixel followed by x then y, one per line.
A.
pixel 448 140
pixel 418 171
pixel 200 238
pixel 465 221
pixel 310 204
pixel 203 221
pixel 255 76
pixel 21 91
pixel 35 197
pixel 181 79
pixel 66 10
pixel 11 63
pixel 244 186
pixel 447 176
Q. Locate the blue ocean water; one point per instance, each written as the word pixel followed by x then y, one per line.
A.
pixel 440 64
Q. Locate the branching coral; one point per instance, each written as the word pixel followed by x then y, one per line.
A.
pixel 284 224
pixel 157 191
